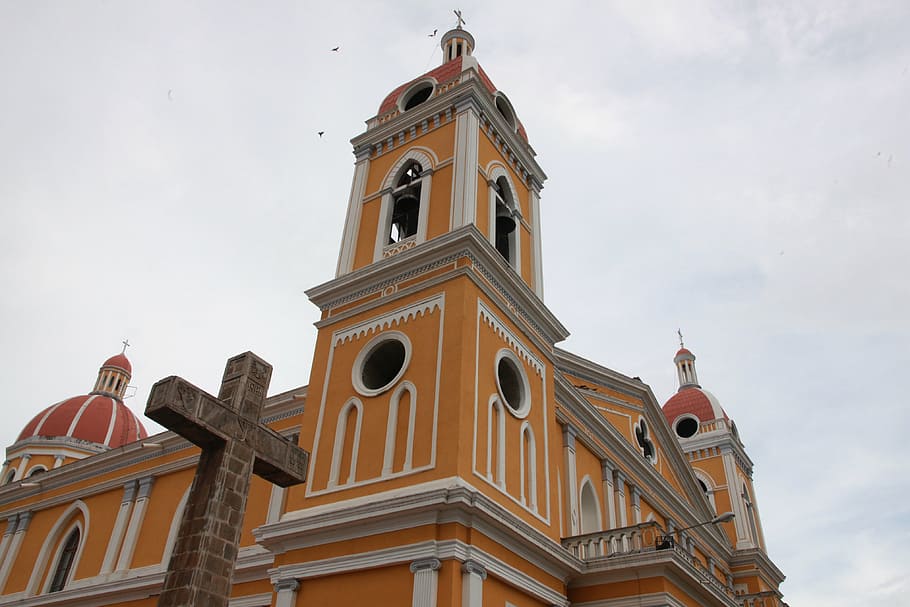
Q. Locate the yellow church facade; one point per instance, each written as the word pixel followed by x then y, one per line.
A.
pixel 458 457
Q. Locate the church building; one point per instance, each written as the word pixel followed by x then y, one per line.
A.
pixel 457 456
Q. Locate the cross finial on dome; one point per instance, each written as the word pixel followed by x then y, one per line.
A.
pixel 126 344
pixel 461 21
pixel 681 344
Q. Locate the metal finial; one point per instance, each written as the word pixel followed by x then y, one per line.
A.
pixel 679 332
pixel 126 344
pixel 460 20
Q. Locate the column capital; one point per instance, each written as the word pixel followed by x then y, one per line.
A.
pixel 286 585
pixel 469 567
pixel 606 468
pixel 568 436
pixel 145 486
pixel 433 564
pixel 129 492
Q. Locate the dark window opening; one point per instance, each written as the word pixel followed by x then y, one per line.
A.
pixel 505 223
pixel 458 50
pixel 35 471
pixel 510 383
pixel 418 97
pixel 687 427
pixel 503 106
pixel 65 562
pixel 382 365
pixel 703 486
pixel 406 205
pixel 644 442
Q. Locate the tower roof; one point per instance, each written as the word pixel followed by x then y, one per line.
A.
pixel 119 361
pixel 694 401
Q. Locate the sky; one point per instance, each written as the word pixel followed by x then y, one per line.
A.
pixel 737 170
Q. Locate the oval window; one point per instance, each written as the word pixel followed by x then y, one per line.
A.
pixel 512 383
pixel 381 363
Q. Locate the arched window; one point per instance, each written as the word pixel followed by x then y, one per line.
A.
pixel 496 443
pixel 643 438
pixel 707 487
pixel 64 565
pixel 590 508
pixel 750 514
pixel 528 467
pixel 505 227
pixel 406 204
pixel 347 442
pixel 399 440
pixel 36 470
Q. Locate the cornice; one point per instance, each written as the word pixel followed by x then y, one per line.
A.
pixel 435 502
pixel 761 561
pixel 465 242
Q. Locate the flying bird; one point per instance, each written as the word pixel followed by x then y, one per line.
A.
pixel 320 133
pixel 433 35
pixel 170 94
pixel 336 49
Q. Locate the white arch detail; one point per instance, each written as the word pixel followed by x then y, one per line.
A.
pixel 498 475
pixel 495 171
pixel 528 465
pixel 391 436
pixel 425 156
pixel 709 483
pixel 65 524
pixel 341 429
pixel 589 506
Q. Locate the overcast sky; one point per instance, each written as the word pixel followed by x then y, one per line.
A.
pixel 739 170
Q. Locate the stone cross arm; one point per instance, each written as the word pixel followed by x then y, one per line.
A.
pixel 207 421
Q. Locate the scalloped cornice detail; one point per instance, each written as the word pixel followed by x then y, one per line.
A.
pixel 486 315
pixel 397 317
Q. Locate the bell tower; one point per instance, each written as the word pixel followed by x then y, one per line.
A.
pixel 446 150
pixel 433 370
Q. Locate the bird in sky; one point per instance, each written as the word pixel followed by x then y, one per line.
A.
pixel 320 133
pixel 433 35
pixel 170 94
pixel 336 49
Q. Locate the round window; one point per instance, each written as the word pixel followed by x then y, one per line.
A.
pixel 418 93
pixel 687 427
pixel 381 363
pixel 512 383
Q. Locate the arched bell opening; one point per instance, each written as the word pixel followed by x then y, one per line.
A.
pixel 505 221
pixel 406 205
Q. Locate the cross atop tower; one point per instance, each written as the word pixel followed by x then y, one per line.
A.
pixel 126 344
pixel 461 21
pixel 681 344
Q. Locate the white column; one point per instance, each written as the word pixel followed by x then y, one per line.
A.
pixel 23 462
pixel 619 484
pixel 286 592
pixel 21 527
pixel 276 504
pixel 3 472
pixel 610 500
pixel 464 178
pixel 355 206
pixel 636 505
pixel 58 460
pixel 135 526
pixel 568 448
pixel 8 535
pixel 426 574
pixel 734 488
pixel 536 249
pixel 116 539
pixel 472 576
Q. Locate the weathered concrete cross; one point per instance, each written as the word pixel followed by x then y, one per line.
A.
pixel 234 446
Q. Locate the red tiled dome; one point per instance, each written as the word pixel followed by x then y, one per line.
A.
pixel 442 74
pixel 95 418
pixel 694 401
pixel 684 352
pixel 120 361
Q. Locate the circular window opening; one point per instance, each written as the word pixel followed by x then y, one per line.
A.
pixel 687 427
pixel 381 363
pixel 418 96
pixel 512 384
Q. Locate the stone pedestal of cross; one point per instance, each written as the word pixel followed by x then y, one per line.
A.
pixel 234 446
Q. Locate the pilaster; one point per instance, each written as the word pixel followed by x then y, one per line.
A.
pixel 426 580
pixel 472 576
pixel 116 540
pixel 286 592
pixel 464 179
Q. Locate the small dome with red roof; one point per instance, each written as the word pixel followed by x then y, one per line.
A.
pixel 692 405
pixel 457 46
pixel 99 418
pixel 120 361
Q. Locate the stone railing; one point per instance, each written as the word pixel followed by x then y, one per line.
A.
pixel 612 542
pixel 647 539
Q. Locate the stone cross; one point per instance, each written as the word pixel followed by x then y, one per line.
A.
pixel 234 446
